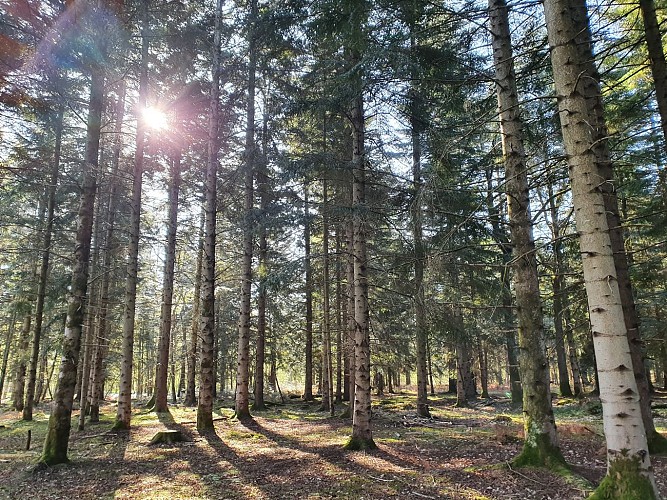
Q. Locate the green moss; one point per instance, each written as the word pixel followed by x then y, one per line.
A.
pixel 359 444
pixel 624 481
pixel 539 452
pixel 119 425
pixel 657 444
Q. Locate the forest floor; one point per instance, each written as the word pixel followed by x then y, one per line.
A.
pixel 294 451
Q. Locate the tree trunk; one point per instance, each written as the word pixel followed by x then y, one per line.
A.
pixel 243 369
pixel 340 364
pixel 627 449
pixel 190 386
pixel 103 326
pixel 558 291
pixel 5 356
pixel 483 367
pixel 44 268
pixel 327 365
pixel 420 256
pixel 572 350
pixel 362 436
pixel 168 285
pixel 349 313
pixel 124 409
pixel 260 349
pixel 657 57
pixel 308 387
pixel 591 88
pixel 541 445
pixel 57 437
pixel 207 325
pixel 18 397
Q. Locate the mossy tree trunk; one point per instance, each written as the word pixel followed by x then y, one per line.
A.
pixel 57 437
pixel 627 448
pixel 541 440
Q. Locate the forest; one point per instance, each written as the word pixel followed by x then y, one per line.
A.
pixel 333 249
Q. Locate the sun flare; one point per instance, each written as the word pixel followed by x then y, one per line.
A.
pixel 154 118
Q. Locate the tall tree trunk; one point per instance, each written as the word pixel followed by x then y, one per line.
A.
pixel 483 367
pixel 308 387
pixel 541 445
pixel 627 448
pixel 340 364
pixel 420 257
pixel 657 57
pixel 190 385
pixel 349 312
pixel 572 349
pixel 168 285
pixel 243 369
pixel 44 268
pixel 57 437
pixel 5 356
pixel 89 328
pixel 207 328
pixel 558 291
pixel 124 409
pixel 327 369
pixel 591 88
pixel 43 360
pixel 18 397
pixel 260 348
pixel 103 326
pixel 362 436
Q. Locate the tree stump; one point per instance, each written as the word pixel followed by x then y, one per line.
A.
pixel 167 437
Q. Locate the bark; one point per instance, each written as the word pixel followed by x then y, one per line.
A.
pixel 308 387
pixel 627 448
pixel 207 324
pixel 243 367
pixel 349 313
pixel 57 437
pixel 572 350
pixel 541 445
pixel 88 332
pixel 340 364
pixel 168 285
pixel 260 348
pixel 190 388
pixel 5 357
pixel 591 90
pixel 657 57
pixel 327 365
pixel 18 397
pixel 558 302
pixel 362 436
pixel 44 268
pixel 483 367
pixel 421 332
pixel 124 409
pixel 43 360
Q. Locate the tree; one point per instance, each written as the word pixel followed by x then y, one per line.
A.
pixel 207 329
pixel 250 154
pixel 57 437
pixel 124 408
pixel 541 445
pixel 628 464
